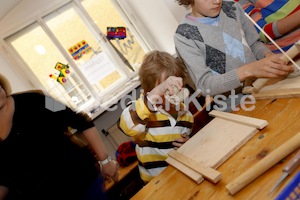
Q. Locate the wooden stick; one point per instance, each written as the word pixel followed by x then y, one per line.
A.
pixel 249 121
pixel 271 40
pixel 207 172
pixel 263 165
pixel 259 83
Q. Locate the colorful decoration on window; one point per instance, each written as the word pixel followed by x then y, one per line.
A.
pixel 78 50
pixel 63 72
pixel 116 33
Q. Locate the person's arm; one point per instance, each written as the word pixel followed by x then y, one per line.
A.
pixel 93 138
pixel 259 49
pixel 270 67
pixel 84 124
pixel 274 29
pixel 3 192
pixel 133 118
pixel 289 23
pixel 159 91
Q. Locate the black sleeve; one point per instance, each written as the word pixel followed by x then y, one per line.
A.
pixel 54 113
pixel 68 117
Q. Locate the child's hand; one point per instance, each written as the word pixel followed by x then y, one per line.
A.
pixel 180 141
pixel 270 67
pixel 167 84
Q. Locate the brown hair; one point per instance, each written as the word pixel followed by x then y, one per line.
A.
pixel 185 3
pixel 5 85
pixel 154 64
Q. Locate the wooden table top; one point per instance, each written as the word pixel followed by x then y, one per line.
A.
pixel 283 116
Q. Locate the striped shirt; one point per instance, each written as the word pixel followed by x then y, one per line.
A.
pixel 266 13
pixel 156 130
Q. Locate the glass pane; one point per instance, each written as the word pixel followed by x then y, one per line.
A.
pixel 78 41
pixel 109 22
pixel 44 59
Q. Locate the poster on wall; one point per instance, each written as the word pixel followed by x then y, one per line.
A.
pixel 97 68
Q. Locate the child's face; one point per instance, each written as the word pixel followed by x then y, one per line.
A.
pixel 206 8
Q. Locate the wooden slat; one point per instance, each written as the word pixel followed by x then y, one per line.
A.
pixel 249 121
pixel 207 172
pixel 278 87
pixel 289 87
pixel 194 175
pixel 277 93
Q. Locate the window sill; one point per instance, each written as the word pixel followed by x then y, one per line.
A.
pixel 96 110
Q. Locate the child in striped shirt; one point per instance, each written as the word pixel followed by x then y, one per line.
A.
pixel 156 125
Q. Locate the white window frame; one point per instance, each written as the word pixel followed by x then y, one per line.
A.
pixel 118 91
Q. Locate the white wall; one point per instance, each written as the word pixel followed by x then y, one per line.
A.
pixel 159 17
pixel 25 13
pixel 177 11
pixel 18 84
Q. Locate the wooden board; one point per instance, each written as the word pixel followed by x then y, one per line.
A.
pixel 198 178
pixel 286 88
pixel 287 57
pixel 214 144
pixel 249 121
pixel 207 172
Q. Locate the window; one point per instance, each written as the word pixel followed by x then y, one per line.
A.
pixel 41 57
pixel 81 53
pixel 130 49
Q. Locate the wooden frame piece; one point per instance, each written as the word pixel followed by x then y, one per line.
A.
pixel 192 174
pixel 214 144
pixel 250 121
pixel 207 172
pixel 286 88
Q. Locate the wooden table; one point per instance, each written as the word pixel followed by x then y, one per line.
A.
pixel 283 116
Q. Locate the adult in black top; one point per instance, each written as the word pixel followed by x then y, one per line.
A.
pixel 38 160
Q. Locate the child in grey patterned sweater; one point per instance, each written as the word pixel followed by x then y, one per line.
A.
pixel 221 48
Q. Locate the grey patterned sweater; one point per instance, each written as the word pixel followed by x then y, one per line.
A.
pixel 204 50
